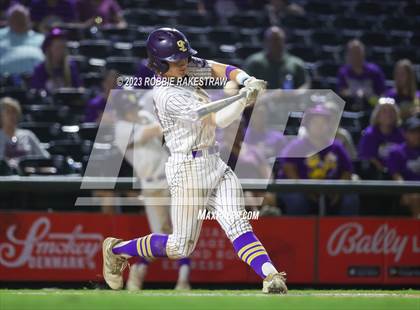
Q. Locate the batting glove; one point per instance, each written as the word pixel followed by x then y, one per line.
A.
pixel 251 95
pixel 252 82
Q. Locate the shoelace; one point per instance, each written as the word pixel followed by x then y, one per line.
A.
pixel 119 265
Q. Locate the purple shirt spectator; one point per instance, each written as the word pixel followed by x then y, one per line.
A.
pixel 270 142
pixel 63 9
pixel 374 144
pixel 42 80
pixel 95 108
pixel 405 161
pixel 249 164
pixel 330 163
pixel 401 99
pixel 371 82
pixel 143 71
pixel 107 10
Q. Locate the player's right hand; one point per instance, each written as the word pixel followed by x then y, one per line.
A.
pixel 253 82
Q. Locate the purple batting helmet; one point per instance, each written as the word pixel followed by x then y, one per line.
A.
pixel 166 45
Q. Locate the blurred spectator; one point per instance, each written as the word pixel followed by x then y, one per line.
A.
pixel 222 9
pixel 342 135
pixel 383 133
pixel 20 47
pixel 100 12
pixel 405 91
pixel 16 142
pixel 48 13
pixel 332 162
pixel 57 70
pixel 143 72
pixel 268 140
pixel 279 9
pixel 96 106
pixel 404 162
pixel 279 68
pixel 360 82
pixel 248 162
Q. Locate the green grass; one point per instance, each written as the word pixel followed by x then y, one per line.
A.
pixel 208 299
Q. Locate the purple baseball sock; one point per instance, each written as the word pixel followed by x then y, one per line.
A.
pixel 252 252
pixel 184 261
pixel 153 245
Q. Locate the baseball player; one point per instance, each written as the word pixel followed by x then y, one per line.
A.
pixel 145 153
pixel 198 179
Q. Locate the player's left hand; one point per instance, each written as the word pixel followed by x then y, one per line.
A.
pixel 251 95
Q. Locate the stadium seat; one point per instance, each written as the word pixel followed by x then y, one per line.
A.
pixel 320 7
pixel 251 19
pixel 194 18
pixel 122 49
pixel 327 69
pixel 369 8
pixel 325 37
pixel 412 10
pixel 250 36
pixel 75 149
pixel 205 50
pixel 81 61
pixel 17 93
pixel 139 49
pixel 45 113
pixel 376 38
pixel 298 22
pixel 55 165
pixel 45 132
pixel 117 34
pixel 75 99
pixel 415 39
pixel 405 52
pixel 140 17
pixel 307 54
pixel 5 169
pixel 223 36
pixel 73 31
pixel 124 65
pixel 243 51
pixel 379 55
pixel 92 80
pixel 353 23
pixel 397 23
pixel 95 48
pixel 88 131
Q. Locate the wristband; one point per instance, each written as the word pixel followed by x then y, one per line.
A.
pixel 241 77
pixel 229 69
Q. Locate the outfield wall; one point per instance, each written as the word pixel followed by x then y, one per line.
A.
pixel 41 246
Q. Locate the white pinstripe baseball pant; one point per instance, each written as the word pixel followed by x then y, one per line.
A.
pixel 202 183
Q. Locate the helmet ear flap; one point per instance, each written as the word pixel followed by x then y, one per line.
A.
pixel 158 66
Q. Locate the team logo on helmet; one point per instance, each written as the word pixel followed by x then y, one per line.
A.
pixel 181 45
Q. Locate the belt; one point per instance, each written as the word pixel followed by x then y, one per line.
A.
pixel 208 151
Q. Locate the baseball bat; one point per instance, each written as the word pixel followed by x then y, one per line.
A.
pixel 214 106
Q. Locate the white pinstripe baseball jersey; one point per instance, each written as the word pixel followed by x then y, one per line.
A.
pixel 174 102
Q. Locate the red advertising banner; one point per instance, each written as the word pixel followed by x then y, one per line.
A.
pixel 67 247
pixel 369 250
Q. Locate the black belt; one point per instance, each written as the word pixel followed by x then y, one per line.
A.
pixel 210 150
